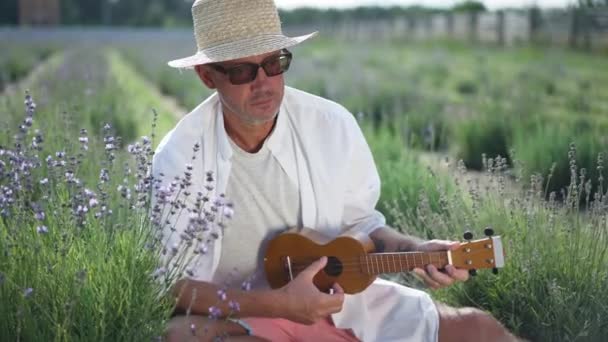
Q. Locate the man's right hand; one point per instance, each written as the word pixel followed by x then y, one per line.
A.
pixel 306 304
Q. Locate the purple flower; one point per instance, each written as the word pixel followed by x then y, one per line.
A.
pixel 28 292
pixel 228 212
pixel 214 312
pixel 93 202
pixel 42 230
pixel 234 306
pixel 39 215
pixel 104 175
pixel 159 272
pixel 246 286
pixel 221 294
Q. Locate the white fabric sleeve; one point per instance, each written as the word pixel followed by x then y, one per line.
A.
pixel 362 186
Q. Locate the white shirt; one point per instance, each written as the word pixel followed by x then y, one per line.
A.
pixel 329 158
pixel 266 203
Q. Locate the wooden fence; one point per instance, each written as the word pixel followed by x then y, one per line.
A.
pixel 579 28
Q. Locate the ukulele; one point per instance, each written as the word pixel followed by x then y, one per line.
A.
pixel 352 263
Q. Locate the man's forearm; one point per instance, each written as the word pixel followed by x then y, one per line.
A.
pixel 198 297
pixel 387 239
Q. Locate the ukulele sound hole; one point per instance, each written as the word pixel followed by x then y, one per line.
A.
pixel 333 267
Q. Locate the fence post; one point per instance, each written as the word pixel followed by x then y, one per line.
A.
pixel 473 27
pixel 450 24
pixel 500 27
pixel 574 28
pixel 534 17
pixel 586 25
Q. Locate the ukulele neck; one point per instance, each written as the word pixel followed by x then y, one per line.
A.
pixel 378 263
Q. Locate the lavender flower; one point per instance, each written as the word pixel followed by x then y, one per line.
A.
pixel 221 294
pixel 246 286
pixel 42 229
pixel 28 292
pixel 214 312
pixel 39 215
pixel 159 272
pixel 234 306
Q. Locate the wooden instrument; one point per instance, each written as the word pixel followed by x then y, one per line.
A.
pixel 352 263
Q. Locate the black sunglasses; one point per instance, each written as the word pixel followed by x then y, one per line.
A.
pixel 247 72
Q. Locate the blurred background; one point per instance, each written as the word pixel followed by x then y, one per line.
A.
pixel 457 100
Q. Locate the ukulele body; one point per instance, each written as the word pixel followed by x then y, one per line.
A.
pixel 291 252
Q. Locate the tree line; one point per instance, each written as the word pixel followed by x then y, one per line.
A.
pixel 175 13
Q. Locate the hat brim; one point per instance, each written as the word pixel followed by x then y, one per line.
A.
pixel 240 49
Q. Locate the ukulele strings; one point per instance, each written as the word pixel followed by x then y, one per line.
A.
pixel 300 264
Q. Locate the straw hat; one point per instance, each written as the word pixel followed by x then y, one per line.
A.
pixel 231 29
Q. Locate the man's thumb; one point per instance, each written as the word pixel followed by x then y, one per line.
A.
pixel 316 266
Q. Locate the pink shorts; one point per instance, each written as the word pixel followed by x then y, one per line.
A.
pixel 282 330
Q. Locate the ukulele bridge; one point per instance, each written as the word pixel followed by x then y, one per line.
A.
pixel 287 266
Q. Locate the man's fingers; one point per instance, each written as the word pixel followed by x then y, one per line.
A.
pixel 425 277
pixel 439 245
pixel 438 276
pixel 462 275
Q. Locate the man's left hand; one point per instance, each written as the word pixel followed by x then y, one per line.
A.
pixel 433 277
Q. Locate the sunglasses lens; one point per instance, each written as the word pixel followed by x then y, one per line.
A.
pixel 277 65
pixel 242 74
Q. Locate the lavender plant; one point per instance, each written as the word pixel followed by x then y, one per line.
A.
pixel 84 261
pixel 553 285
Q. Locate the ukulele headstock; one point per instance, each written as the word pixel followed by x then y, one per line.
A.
pixel 479 254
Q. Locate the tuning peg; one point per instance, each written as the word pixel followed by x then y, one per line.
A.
pixel 468 235
pixel 473 272
pixel 495 270
pixel 488 231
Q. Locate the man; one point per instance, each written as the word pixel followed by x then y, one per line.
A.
pixel 287 158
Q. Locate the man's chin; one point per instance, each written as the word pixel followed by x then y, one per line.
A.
pixel 261 119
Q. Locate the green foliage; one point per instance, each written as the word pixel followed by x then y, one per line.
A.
pixel 78 274
pixel 18 61
pixel 489 135
pixel 405 181
pixel 469 6
pixel 552 150
pixel 552 288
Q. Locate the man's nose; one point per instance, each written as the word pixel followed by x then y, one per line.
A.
pixel 261 76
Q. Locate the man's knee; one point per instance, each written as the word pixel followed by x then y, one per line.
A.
pixel 470 324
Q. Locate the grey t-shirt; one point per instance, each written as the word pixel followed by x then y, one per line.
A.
pixel 266 202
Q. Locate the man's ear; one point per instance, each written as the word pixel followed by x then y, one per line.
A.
pixel 204 74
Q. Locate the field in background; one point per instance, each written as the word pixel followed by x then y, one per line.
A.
pixel 509 114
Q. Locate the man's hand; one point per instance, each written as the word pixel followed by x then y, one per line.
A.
pixel 431 275
pixel 306 304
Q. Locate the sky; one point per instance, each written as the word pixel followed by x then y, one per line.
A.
pixel 491 4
